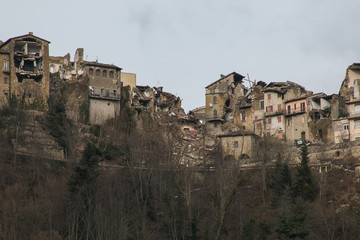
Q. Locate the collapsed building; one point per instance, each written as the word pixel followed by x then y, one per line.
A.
pixel 284 110
pixel 25 71
pixel 152 100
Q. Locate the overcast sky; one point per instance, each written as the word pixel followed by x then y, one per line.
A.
pixel 185 45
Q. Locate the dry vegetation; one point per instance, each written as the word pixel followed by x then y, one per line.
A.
pixel 151 195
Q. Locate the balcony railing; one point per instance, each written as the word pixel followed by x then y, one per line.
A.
pixel 270 113
pixel 294 111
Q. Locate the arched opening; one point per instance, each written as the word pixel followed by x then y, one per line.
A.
pixel 97 72
pixel 91 71
pixel 111 74
pixel 104 73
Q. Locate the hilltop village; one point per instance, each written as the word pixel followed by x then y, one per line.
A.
pixel 235 117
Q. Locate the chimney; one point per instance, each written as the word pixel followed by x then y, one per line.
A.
pixel 31 33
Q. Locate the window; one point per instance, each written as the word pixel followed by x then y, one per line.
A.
pixel 91 71
pixel 214 100
pixel 269 96
pixel 269 120
pixel 242 115
pixel 289 109
pixel 97 72
pixel 104 73
pixel 279 107
pixel 236 144
pixel 258 125
pixel 357 124
pixel 320 133
pixel 269 109
pixel 346 126
pixel 6 80
pixel 215 113
pixel 295 106
pixel 111 74
pixel 256 117
pixel 288 122
pixel 262 105
pixel 303 134
pixel 302 106
pixel 279 119
pixel 6 65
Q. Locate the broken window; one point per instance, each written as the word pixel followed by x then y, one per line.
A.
pixel 104 73
pixel 214 100
pixel 346 126
pixel 91 71
pixel 111 74
pixel 236 144
pixel 97 72
pixel 303 136
pixel 6 65
pixel 243 115
pixel 320 132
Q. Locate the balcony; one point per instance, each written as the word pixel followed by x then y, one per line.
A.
pixel 295 111
pixel 274 113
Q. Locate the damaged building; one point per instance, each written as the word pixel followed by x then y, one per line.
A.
pixel 348 128
pixel 25 69
pixel 104 81
pixel 221 99
pixel 152 100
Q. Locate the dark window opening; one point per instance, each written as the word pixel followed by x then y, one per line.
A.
pixel 320 132
pixel 214 100
pixel 91 71
pixel 111 74
pixel 97 72
pixel 104 73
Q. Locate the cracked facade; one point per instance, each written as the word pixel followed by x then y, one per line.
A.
pixel 25 69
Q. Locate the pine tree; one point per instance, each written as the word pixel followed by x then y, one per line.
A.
pixel 304 186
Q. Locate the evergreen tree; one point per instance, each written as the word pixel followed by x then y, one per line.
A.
pixel 304 186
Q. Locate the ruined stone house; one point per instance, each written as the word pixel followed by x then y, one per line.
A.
pixel 145 98
pixel 221 99
pixel 104 82
pixel 25 69
pixel 239 144
pixel 348 127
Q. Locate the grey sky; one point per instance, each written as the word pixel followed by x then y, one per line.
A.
pixel 185 45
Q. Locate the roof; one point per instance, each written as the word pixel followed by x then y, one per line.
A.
pixel 26 35
pixel 236 134
pixel 97 64
pixel 353 101
pixel 235 73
